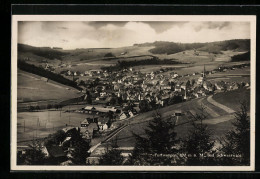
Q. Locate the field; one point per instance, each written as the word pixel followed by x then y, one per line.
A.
pixel 31 88
pixel 232 99
pixel 40 124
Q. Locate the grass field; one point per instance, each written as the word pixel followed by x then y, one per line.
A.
pixel 32 88
pixel 28 126
pixel 232 99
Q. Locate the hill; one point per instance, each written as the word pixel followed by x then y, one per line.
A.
pixel 241 57
pixel 32 88
pixel 95 58
pixel 45 52
pixel 162 47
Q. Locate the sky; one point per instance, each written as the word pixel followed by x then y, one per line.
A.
pixel 113 34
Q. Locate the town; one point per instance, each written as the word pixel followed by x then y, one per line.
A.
pixel 111 97
pixel 134 93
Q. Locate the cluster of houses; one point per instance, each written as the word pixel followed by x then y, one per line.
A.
pixel 121 87
pixel 90 73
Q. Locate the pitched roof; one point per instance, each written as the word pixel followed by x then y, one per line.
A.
pixel 56 151
pixel 89 108
pixel 103 120
pixel 85 121
pixel 92 126
pixel 66 129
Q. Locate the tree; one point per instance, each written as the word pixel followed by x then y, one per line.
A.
pixel 120 100
pixel 56 138
pixel 112 101
pixel 236 142
pixel 192 82
pixel 49 106
pixel 31 108
pixel 88 97
pixel 32 156
pixel 112 156
pixel 79 152
pixel 144 106
pixel 37 107
pixel 198 146
pixel 158 144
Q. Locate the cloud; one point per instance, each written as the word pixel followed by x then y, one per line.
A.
pixel 69 35
pixel 99 24
pixel 160 27
pixel 211 25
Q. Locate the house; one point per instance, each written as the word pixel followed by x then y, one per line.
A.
pixel 70 131
pixel 92 119
pixel 130 113
pixel 88 131
pixel 175 75
pixel 123 115
pixel 200 80
pixel 103 123
pixel 177 113
pixel 220 85
pixel 84 123
pixel 183 86
pixel 207 85
pixel 57 153
pixel 177 88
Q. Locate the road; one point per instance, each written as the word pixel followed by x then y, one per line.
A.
pixel 221 106
pixel 215 117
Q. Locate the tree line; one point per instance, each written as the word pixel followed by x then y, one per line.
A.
pixel 241 57
pixel 154 61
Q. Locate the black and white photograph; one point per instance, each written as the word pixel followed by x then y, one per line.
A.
pixel 167 93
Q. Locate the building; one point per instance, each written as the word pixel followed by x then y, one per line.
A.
pixel 103 123
pixel 87 129
pixel 123 115
pixel 202 78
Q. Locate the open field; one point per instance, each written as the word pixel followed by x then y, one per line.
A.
pixel 49 122
pixel 232 99
pixel 32 88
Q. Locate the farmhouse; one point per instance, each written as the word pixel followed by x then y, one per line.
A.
pixel 123 115
pixel 103 123
pixel 88 130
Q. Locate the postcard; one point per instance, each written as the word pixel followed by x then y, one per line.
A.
pixel 133 93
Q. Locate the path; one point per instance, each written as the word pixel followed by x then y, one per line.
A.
pixel 221 106
pixel 209 110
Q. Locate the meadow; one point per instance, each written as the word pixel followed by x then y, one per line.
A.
pixel 232 99
pixel 33 125
pixel 31 88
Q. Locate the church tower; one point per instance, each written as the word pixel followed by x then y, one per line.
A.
pixel 204 74
pixel 202 78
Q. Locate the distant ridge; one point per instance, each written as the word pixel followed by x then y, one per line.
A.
pixel 164 47
pixel 45 52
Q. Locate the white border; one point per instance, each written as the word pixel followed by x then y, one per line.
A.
pixel 16 18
